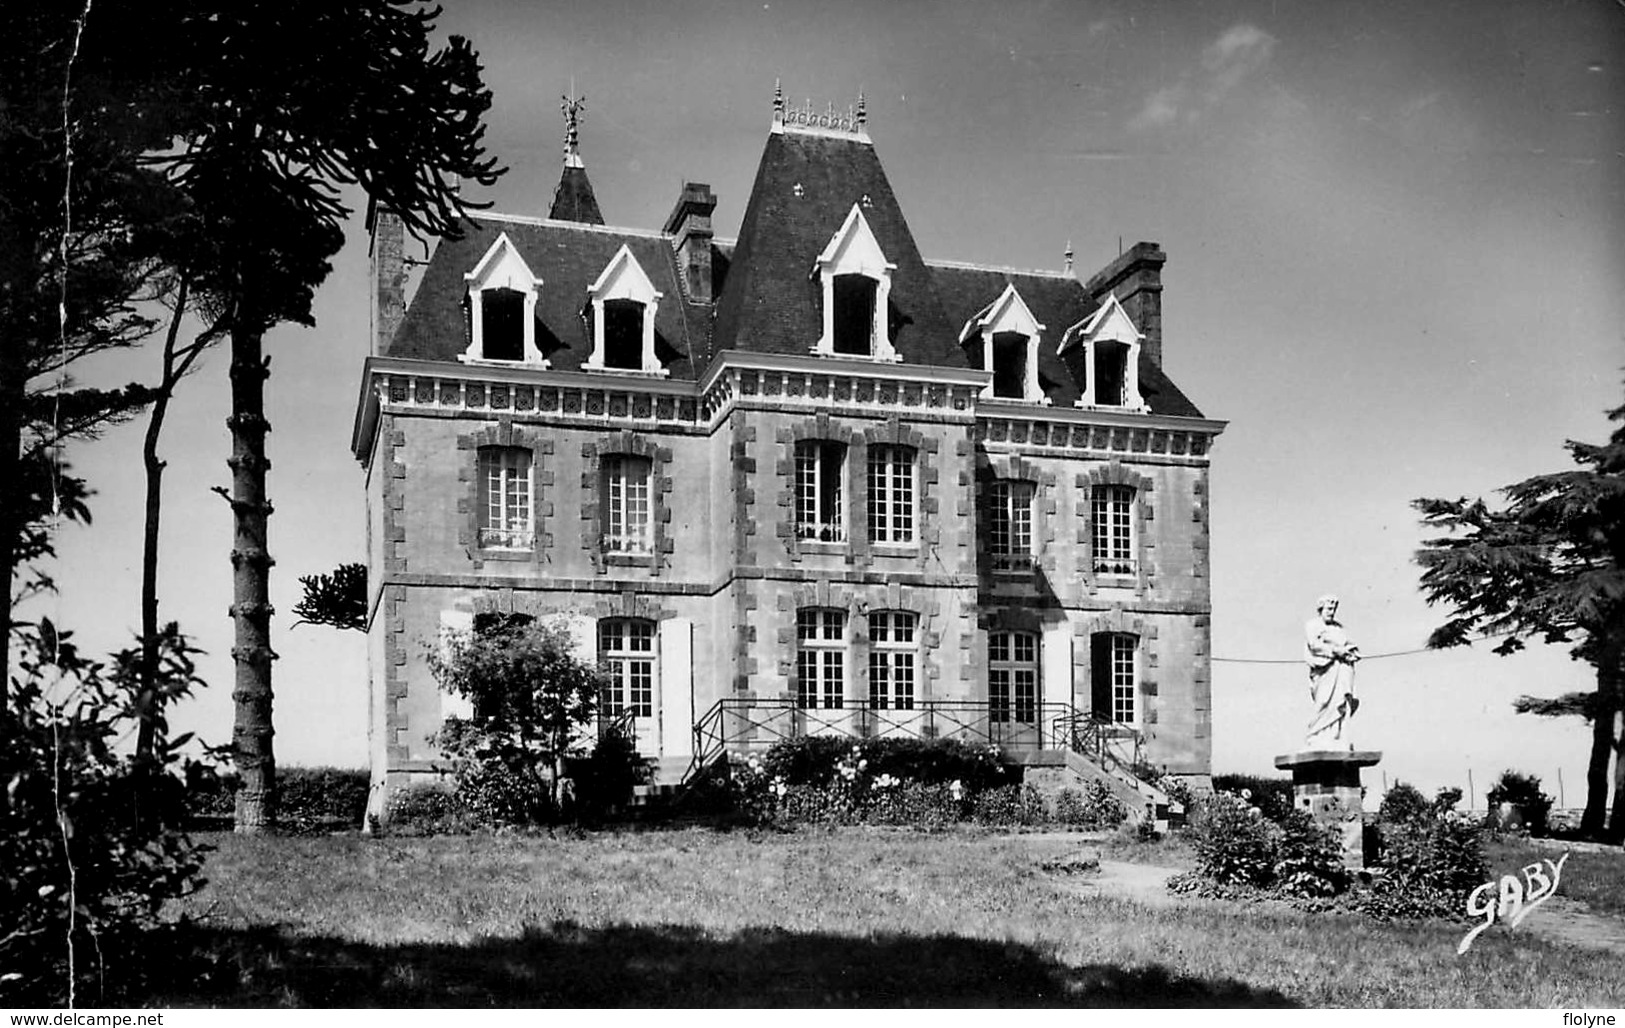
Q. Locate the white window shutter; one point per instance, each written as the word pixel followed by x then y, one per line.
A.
pixel 584 637
pixel 454 623
pixel 1057 663
pixel 676 687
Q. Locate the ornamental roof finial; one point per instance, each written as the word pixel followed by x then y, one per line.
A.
pixel 573 107
pixel 1068 256
pixel 863 111
pixel 778 103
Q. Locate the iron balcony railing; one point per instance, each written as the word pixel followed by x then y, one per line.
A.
pixel 742 725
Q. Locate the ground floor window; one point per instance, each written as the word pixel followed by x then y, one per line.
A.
pixel 1113 685
pixel 1012 676
pixel 626 652
pixel 820 658
pixel 892 656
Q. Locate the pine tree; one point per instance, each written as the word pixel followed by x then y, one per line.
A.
pixel 1547 566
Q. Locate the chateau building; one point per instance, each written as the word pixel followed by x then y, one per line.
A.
pixel 804 481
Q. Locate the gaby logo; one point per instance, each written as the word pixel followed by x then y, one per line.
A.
pixel 1510 900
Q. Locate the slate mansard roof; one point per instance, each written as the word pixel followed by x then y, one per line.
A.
pixel 568 257
pixel 767 294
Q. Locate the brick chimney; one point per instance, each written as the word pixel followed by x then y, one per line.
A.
pixel 690 223
pixel 388 252
pixel 1136 278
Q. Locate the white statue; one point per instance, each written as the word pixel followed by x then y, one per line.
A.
pixel 1331 658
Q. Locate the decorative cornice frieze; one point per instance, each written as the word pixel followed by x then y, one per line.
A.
pixel 781 382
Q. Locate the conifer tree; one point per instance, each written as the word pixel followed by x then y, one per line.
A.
pixel 1549 566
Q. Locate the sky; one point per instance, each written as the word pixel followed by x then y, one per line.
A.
pixel 1394 258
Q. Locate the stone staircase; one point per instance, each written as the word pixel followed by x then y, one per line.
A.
pixel 663 784
pixel 1054 770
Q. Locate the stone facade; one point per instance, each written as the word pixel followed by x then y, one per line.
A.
pixel 727 563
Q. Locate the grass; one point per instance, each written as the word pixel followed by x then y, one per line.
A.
pixel 817 918
pixel 1596 879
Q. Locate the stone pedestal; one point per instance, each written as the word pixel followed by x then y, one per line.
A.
pixel 1326 784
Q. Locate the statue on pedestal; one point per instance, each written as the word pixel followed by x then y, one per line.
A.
pixel 1331 658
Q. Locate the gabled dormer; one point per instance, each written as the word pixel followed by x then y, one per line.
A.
pixel 622 313
pixel 1106 348
pixel 501 296
pixel 856 281
pixel 1005 334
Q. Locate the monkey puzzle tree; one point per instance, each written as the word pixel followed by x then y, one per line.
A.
pixel 278 106
pixel 1550 565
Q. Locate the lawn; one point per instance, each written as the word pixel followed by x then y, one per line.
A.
pixel 816 918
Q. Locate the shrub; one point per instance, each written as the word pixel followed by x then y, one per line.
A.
pixel 605 780
pixel 322 796
pixel 807 760
pixel 1523 792
pixel 1178 790
pixel 997 808
pixel 1445 800
pixel 1234 843
pixel 1271 795
pixel 815 760
pixel 1095 807
pixel 1309 858
pixel 1430 865
pixel 92 842
pixel 426 810
pixel 1404 802
pixel 531 696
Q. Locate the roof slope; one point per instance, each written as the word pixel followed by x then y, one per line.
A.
pixel 1058 301
pixel 805 187
pixel 567 257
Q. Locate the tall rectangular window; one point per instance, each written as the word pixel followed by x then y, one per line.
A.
pixel 892 656
pixel 505 498
pixel 626 652
pixel 625 504
pixel 820 658
pixel 1113 685
pixel 820 466
pixel 1010 522
pixel 1112 527
pixel 1012 677
pixel 891 494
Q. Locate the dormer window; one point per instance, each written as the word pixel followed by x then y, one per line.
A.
pixel 856 281
pixel 623 334
pixel 854 323
pixel 623 303
pixel 503 320
pixel 1003 338
pixel 1109 371
pixel 1105 352
pixel 1010 365
pixel 502 294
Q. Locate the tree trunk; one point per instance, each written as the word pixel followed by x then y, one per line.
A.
pixel 1611 683
pixel 251 606
pixel 11 440
pixel 1616 820
pixel 146 703
pixel 1602 747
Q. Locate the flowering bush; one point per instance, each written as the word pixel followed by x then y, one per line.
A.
pixel 1309 858
pixel 1430 865
pixel 1235 844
